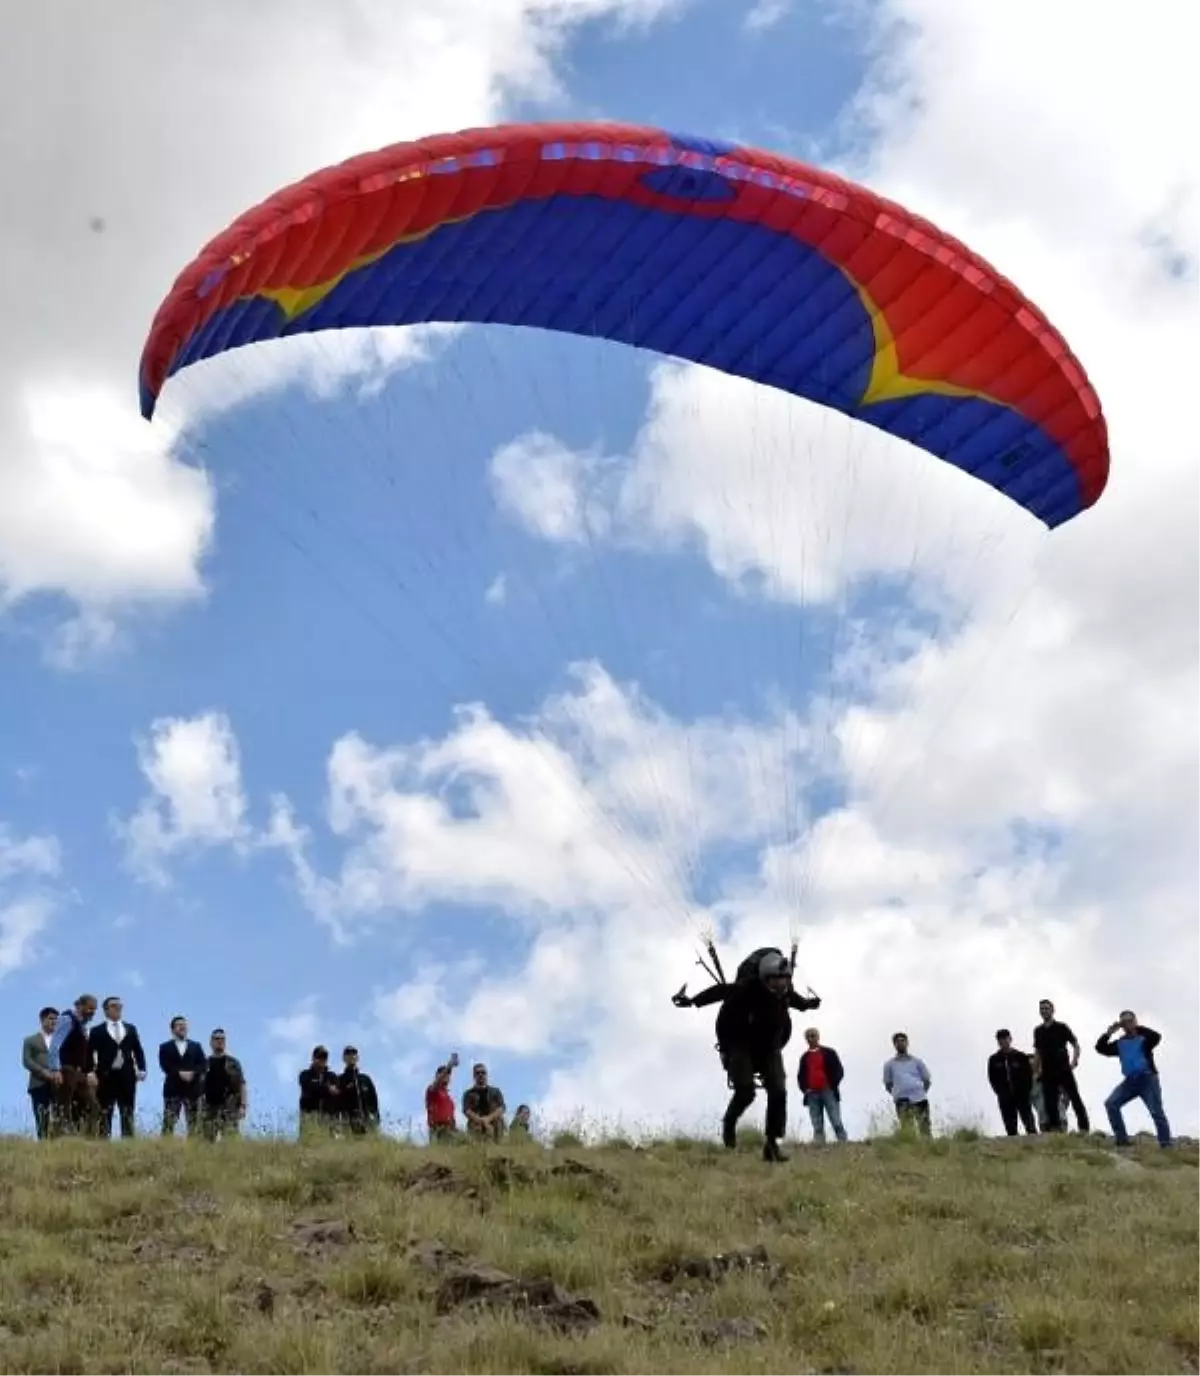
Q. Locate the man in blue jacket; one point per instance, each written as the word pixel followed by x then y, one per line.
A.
pixel 1134 1048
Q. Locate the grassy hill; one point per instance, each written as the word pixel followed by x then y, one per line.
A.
pixel 267 1256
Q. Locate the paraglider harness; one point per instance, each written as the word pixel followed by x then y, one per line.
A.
pixel 745 973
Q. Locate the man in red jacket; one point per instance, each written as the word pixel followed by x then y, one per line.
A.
pixel 819 1076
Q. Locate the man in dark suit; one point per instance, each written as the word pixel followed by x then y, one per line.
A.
pixel 120 1065
pixel 35 1057
pixel 183 1063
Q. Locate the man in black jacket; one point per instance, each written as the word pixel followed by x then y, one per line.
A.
pixel 183 1063
pixel 820 1076
pixel 753 1027
pixel 358 1101
pixel 320 1092
pixel 120 1064
pixel 1010 1075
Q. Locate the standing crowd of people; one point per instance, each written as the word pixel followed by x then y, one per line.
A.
pixel 1033 1090
pixel 84 1073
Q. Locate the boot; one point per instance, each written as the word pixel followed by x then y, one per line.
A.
pixel 729 1133
pixel 771 1150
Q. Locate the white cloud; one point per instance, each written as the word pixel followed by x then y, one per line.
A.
pixel 39 856
pixel 27 900
pixel 765 14
pixel 603 803
pixel 550 489
pixel 21 922
pixel 122 514
pixel 322 366
pixel 193 766
pixel 797 502
pixel 295 1033
pixel 139 138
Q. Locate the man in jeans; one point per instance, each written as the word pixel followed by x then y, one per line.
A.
pixel 906 1078
pixel 1135 1050
pixel 35 1058
pixel 819 1078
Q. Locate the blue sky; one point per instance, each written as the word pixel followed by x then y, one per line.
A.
pixel 304 893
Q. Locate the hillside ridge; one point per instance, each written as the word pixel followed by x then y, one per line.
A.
pixel 987 1255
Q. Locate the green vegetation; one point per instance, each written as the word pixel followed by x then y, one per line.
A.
pixel 894 1255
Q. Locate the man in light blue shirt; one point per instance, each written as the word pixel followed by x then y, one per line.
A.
pixel 71 1067
pixel 906 1078
pixel 1134 1048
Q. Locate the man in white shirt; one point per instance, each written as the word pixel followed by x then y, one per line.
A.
pixel 906 1078
pixel 35 1057
pixel 120 1065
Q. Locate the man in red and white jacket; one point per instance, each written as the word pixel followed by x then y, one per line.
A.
pixel 819 1076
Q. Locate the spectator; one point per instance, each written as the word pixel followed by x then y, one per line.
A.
pixel 1135 1050
pixel 521 1125
pixel 183 1063
pixel 318 1092
pixel 1038 1100
pixel 120 1067
pixel 906 1078
pixel 820 1077
pixel 483 1105
pixel 35 1058
pixel 439 1106
pixel 72 1069
pixel 358 1100
pixel 1051 1040
pixel 1010 1074
pixel 226 1094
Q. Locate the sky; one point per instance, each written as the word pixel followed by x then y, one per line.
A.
pixel 434 689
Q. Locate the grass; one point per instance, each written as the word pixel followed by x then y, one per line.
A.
pixel 893 1255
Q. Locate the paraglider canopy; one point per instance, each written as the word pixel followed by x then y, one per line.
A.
pixel 752 264
pixel 745 261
